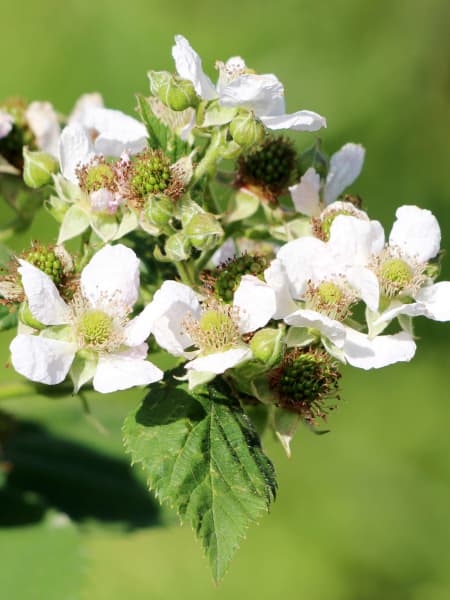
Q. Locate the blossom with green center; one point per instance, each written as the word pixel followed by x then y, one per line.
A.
pixel 98 176
pixel 395 275
pixel 96 320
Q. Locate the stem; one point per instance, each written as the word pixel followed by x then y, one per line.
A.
pixel 186 273
pixel 208 163
pixel 90 417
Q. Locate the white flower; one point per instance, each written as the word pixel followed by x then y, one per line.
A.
pixel 208 332
pixel 6 123
pixel 415 239
pixel 44 124
pixel 345 166
pixel 239 87
pixel 95 324
pixel 308 270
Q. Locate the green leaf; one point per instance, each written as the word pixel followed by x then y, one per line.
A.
pixel 202 456
pixel 8 318
pixel 159 135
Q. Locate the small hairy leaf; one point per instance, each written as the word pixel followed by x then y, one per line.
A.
pixel 202 456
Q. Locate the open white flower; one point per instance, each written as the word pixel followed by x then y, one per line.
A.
pixel 415 239
pixel 238 87
pixel 209 332
pixel 326 289
pixel 91 336
pixel 311 198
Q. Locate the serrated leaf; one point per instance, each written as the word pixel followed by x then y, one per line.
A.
pixel 159 135
pixel 202 456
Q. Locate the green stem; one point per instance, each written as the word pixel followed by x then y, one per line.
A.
pixel 186 273
pixel 208 163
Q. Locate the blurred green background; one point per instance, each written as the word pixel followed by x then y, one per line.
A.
pixel 363 512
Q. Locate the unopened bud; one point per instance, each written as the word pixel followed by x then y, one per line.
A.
pixel 177 247
pixel 38 168
pixel 266 345
pixel 157 79
pixel 159 210
pixel 246 130
pixel 204 231
pixel 178 94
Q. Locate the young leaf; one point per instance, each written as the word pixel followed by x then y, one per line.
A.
pixel 158 133
pixel 202 456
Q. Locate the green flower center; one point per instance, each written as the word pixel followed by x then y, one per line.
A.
pixel 95 327
pixel 216 330
pixel 46 260
pixel 329 293
pixel 396 271
pixel 150 175
pixel 229 275
pixel 99 176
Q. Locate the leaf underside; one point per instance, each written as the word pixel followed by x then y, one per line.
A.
pixel 202 456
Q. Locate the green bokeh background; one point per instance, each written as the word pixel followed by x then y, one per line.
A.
pixel 363 512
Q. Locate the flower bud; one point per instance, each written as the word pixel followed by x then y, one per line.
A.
pixel 159 210
pixel 204 231
pixel 38 168
pixel 157 79
pixel 266 345
pixel 177 247
pixel 246 130
pixel 178 94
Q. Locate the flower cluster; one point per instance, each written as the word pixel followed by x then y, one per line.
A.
pixel 247 260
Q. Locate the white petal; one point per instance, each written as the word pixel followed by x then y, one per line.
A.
pixel 125 370
pixel 354 241
pixel 41 359
pixel 364 353
pixel 83 104
pixel 43 121
pixel 189 66
pixel 331 329
pixel 117 132
pixel 46 305
pixel 75 149
pixel 263 94
pixel 416 309
pixel 305 195
pixel 436 301
pixel 220 361
pixel 302 120
pixel 112 274
pixel 416 232
pixel 366 285
pixel 256 302
pixel 302 259
pixel 6 123
pixel 171 305
pixel 276 277
pixel 345 166
pixel 225 252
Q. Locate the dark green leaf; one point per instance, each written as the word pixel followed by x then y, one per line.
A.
pixel 202 456
pixel 8 318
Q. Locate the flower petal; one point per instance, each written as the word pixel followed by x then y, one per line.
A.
pixel 219 362
pixel 125 370
pixel 164 317
pixel 189 66
pixel 256 302
pixel 353 241
pixel 276 277
pixel 263 94
pixel 112 275
pixel 83 104
pixel 364 353
pixel 75 149
pixel 302 260
pixel 43 121
pixel 42 359
pixel 305 195
pixel 330 328
pixel 366 285
pixel 436 301
pixel 416 232
pixel 345 166
pixel 44 301
pixel 117 132
pixel 302 120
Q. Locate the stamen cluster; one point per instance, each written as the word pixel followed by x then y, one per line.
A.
pixel 217 328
